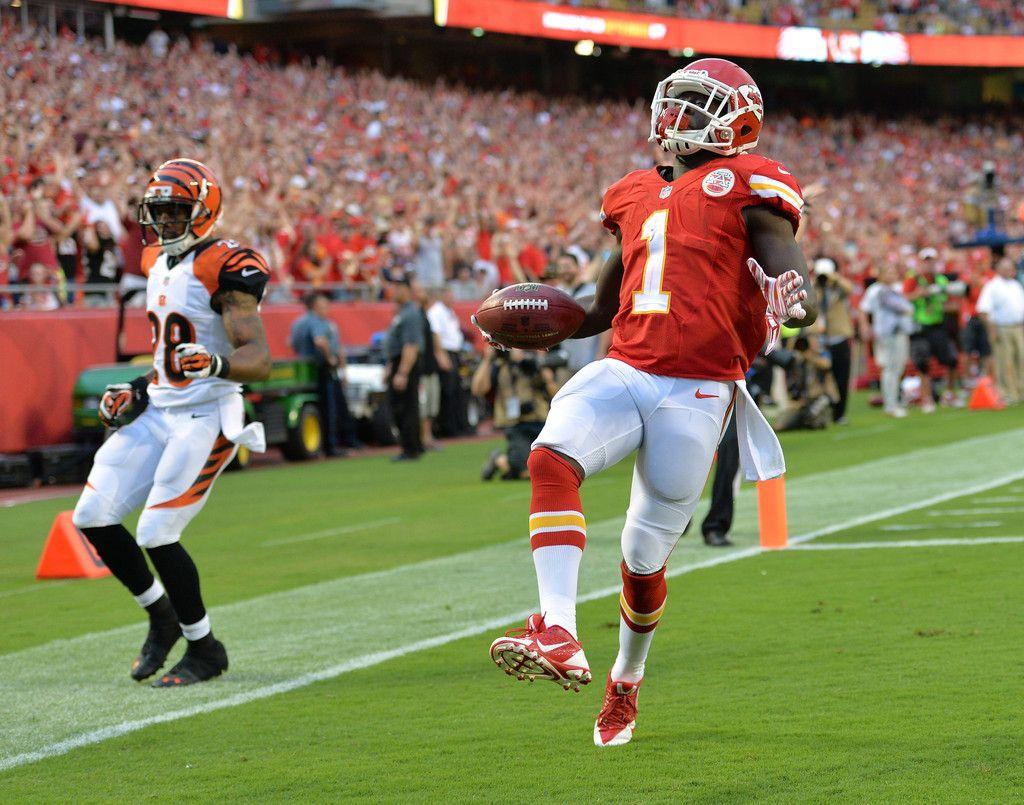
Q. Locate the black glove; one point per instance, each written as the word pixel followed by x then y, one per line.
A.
pixel 120 398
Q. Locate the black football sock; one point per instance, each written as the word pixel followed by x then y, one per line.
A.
pixel 181 578
pixel 161 612
pixel 119 551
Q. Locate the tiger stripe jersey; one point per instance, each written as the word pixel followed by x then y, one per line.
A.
pixel 183 296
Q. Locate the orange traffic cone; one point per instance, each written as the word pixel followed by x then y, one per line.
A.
pixel 771 512
pixel 68 554
pixel 985 397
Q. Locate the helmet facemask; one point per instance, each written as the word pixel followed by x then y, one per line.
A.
pixel 174 219
pixel 693 112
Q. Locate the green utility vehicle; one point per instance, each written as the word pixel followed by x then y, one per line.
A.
pixel 286 403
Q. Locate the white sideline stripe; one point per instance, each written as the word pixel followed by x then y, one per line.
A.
pixel 355 664
pixel 907 543
pixel 909 507
pixel 332 532
pixel 368 660
pixel 965 512
pixel 952 525
pixel 33 587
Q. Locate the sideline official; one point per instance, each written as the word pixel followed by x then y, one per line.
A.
pixel 403 344
pixel 314 336
pixel 446 325
pixel 1001 304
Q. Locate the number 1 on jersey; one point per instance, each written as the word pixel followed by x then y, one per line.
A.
pixel 651 298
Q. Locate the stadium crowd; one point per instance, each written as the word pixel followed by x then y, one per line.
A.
pixel 339 176
pixel 997 17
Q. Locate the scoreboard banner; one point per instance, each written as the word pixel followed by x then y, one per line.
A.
pixel 795 43
pixel 208 8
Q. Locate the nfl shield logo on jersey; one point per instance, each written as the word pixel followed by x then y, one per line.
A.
pixel 718 182
pixel 665 191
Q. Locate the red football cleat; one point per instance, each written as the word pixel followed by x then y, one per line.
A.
pixel 615 722
pixel 540 652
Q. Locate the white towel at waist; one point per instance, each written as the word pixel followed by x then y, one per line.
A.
pixel 760 452
pixel 232 420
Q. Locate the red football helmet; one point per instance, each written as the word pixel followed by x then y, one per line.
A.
pixel 182 204
pixel 725 119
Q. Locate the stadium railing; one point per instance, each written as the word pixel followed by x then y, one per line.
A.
pixel 339 291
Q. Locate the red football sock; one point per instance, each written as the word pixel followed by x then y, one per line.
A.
pixel 640 607
pixel 558 533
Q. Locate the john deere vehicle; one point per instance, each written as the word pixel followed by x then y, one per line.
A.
pixel 286 403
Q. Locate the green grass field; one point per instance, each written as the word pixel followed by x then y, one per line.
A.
pixel 878 659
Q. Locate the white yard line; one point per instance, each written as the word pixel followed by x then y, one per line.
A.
pixel 895 511
pixel 31 588
pixel 327 628
pixel 979 510
pixel 907 543
pixel 332 532
pixel 955 525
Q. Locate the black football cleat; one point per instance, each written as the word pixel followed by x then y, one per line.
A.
pixel 717 539
pixel 153 654
pixel 197 665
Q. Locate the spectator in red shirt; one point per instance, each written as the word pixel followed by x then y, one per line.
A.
pixel 133 283
pixel 974 336
pixel 34 235
pixel 6 239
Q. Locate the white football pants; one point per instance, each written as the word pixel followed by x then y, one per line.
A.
pixel 608 410
pixel 167 459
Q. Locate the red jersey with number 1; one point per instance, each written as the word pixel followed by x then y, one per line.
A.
pixel 688 305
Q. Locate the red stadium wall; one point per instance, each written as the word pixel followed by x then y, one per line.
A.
pixel 41 355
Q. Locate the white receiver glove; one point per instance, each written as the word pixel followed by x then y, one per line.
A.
pixel 784 295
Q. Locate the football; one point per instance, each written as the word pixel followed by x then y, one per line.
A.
pixel 530 316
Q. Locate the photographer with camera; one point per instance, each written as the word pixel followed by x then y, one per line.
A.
pixel 834 293
pixel 808 364
pixel 523 384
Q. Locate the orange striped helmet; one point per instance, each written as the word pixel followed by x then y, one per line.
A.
pixel 182 204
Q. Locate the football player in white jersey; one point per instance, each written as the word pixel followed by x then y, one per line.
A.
pixel 203 299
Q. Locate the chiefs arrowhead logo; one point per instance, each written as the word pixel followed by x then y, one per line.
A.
pixel 718 182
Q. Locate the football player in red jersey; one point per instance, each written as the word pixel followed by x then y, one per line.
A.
pixel 202 301
pixel 702 245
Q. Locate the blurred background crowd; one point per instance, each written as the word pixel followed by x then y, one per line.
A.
pixel 340 177
pixel 336 176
